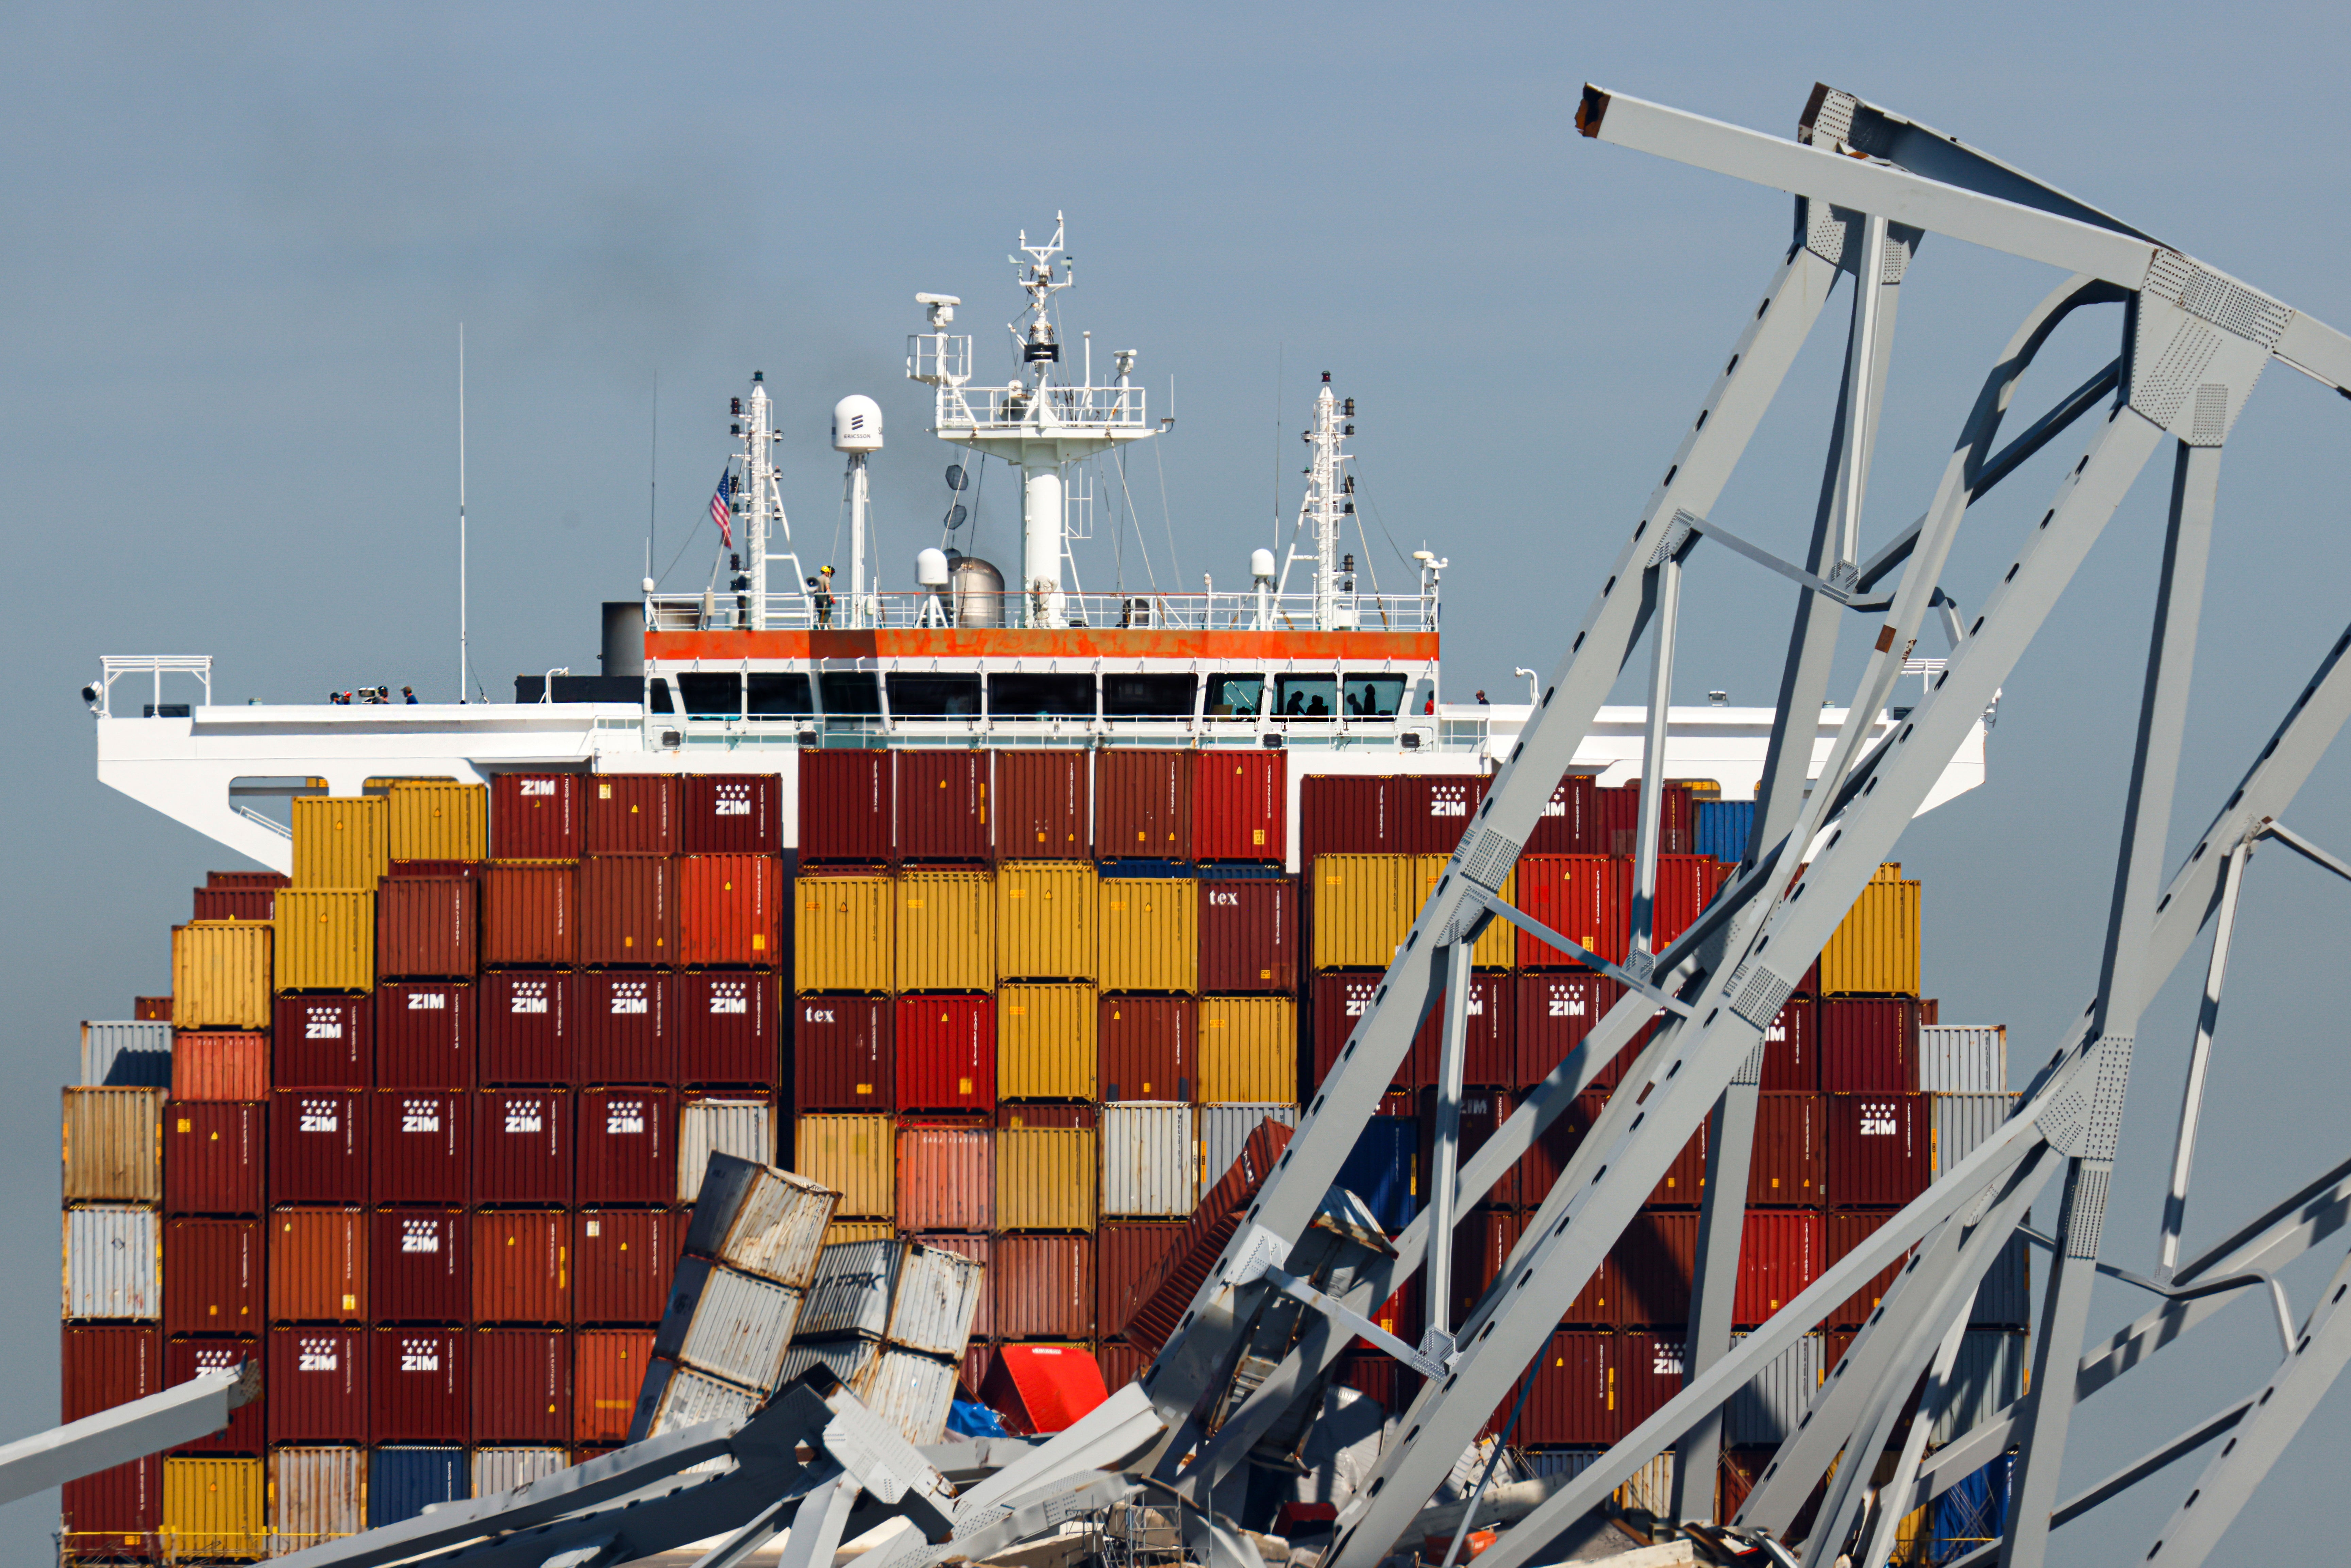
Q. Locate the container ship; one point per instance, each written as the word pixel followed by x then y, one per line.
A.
pixel 1004 908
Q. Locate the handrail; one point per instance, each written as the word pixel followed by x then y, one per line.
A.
pixel 1139 610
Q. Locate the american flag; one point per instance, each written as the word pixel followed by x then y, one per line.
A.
pixel 720 512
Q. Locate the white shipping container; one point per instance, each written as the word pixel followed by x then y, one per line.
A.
pixel 1768 1410
pixel 497 1470
pixel 908 1391
pixel 315 1495
pixel 744 1128
pixel 1987 1375
pixel 120 1053
pixel 851 1291
pixel 113 1258
pixel 937 1296
pixel 740 1328
pixel 1963 1057
pixel 847 1359
pixel 688 1398
pixel 2004 1300
pixel 762 1220
pixel 1569 1463
pixel 1960 1123
pixel 1650 1487
pixel 1150 1161
pixel 1225 1128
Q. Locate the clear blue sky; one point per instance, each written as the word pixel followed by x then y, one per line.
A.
pixel 239 240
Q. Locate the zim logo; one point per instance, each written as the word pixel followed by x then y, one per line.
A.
pixel 525 1119
pixel 1568 1008
pixel 418 1236
pixel 625 1116
pixel 215 1359
pixel 735 998
pixel 1666 1361
pixel 530 997
pixel 324 1024
pixel 539 786
pixel 628 999
pixel 1877 1120
pixel 427 1001
pixel 734 808
pixel 319 1116
pixel 420 1116
pixel 419 1355
pixel 318 1355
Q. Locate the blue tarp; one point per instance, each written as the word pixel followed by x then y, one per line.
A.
pixel 972 1420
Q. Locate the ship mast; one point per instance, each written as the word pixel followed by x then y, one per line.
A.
pixel 759 501
pixel 1328 502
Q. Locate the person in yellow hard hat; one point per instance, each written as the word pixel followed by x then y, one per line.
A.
pixel 822 583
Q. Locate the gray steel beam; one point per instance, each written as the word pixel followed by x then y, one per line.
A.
pixel 2200 1059
pixel 180 1414
pixel 1714 1282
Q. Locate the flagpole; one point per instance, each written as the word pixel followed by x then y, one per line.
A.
pixel 464 663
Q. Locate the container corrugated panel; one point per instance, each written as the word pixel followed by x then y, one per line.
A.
pixel 946 1179
pixel 1554 1013
pixel 522 1145
pixel 909 1391
pixel 2004 1300
pixel 521 1265
pixel 628 1026
pixel 622 1260
pixel 529 1023
pixel 1879 1149
pixel 115 1513
pixel 947 931
pixel 220 1066
pixel 683 1397
pixel 1042 1287
pixel 945 1051
pixel 742 1126
pixel 739 1328
pixel 633 814
pixel 185 1358
pixel 856 1156
pixel 433 819
pixel 1127 1257
pixel 215 1268
pixel 1044 804
pixel 1162 1302
pixel 340 843
pixel 1249 1049
pixel 1344 814
pixel 1363 905
pixel 318 1265
pixel 731 814
pixel 845 806
pixel 417 1265
pixel 1874 951
pixel 315 1495
pixel 1792 1047
pixel 221 975
pixel 1383 1169
pixel 1722 828
pixel 624 1145
pixel 424 1035
pixel 112 1255
pixel 1437 808
pixel 522 1386
pixel 416 1384
pixel 1868 1045
pixel 1148 1047
pixel 1143 805
pixel 100 1367
pixel 1987 1375
pixel 943 806
pixel 1654 1259
pixel 1780 1252
pixel 319 1145
pixel 126 1055
pixel 325 940
pixel 536 816
pixel 1045 912
pixel 1650 1489
pixel 842 1231
pixel 234 903
pixel 843 933
pixel 213 1508
pixel 1785 1169
pixel 1241 805
pixel 406 1479
pixel 500 1470
pixel 727 1028
pixel 852 1290
pixel 1497 949
pixel 1847 1229
pixel 730 911
pixel 1490 1050
pixel 1587 899
pixel 1045 1178
pixel 771 1224
pixel 980 1250
pixel 213 1157
pixel 1962 1123
pixel 1964 1059
pixel 421 1146
pixel 608 1369
pixel 112 1142
pixel 1573 1396
pixel 1045 1042
pixel 1148 1159
pixel 1248 935
pixel 1223 1130
pixel 530 914
pixel 317 1384
pixel 427 927
pixel 628 910
pixel 322 1042
pixel 1149 933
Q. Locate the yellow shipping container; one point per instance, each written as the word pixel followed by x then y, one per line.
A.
pixel 433 820
pixel 1498 948
pixel 1045 1178
pixel 947 931
pixel 1874 951
pixel 213 1508
pixel 840 933
pixel 326 940
pixel 857 1156
pixel 341 844
pixel 841 1231
pixel 221 973
pixel 1150 934
pixel 1364 904
pixel 1045 920
pixel 1045 1042
pixel 1248 1050
pixel 113 1145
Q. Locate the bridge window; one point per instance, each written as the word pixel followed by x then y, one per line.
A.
pixel 850 693
pixel 1040 696
pixel 710 695
pixel 1148 696
pixel 1375 697
pixel 1235 697
pixel 935 696
pixel 777 695
pixel 657 699
pixel 1306 696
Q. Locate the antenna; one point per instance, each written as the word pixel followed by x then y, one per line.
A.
pixel 653 485
pixel 464 662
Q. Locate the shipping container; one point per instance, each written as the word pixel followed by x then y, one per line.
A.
pixel 741 1126
pixel 1554 1012
pixel 1248 935
pixel 206 1065
pixel 632 814
pixel 522 1386
pixel 1874 951
pixel 845 806
pixel 1045 912
pixel 1120 1363
pixel 129 1055
pixel 624 1145
pixel 730 911
pixel 530 1022
pixel 1588 899
pixel 340 843
pixel 841 1054
pixel 424 1034
pixel 317 1384
pixel 1654 1259
pixel 1722 830
pixel 727 1030
pixel 318 1265
pixel 1986 1377
pixel 1569 823
pixel 416 1384
pixel 761 1220
pixel 1772 1404
pixel 522 1147
pixel 728 1324
pixel 315 1495
pixel 1489 1057
pixel 1847 1229
pixel 1482 1113
pixel 1616 814
pixel 536 816
pixel 1572 1399
pixel 1042 1287
pixel 1437 808
pixel 1044 1179
pixel 1349 815
pixel 1248 1050
pixel 319 1145
pixel 406 1479
pixel 946 1179
pixel 100 1367
pixel 1868 1045
pixel 942 808
pixel 185 1358
pixel 1685 885
pixel 946 927
pixel 1494 950
pixel 946 1053
pixel 1786 1167
pixel 628 1025
pixel 221 975
pixel 980 1250
pixel 1791 1050
pixel 1047 1114
pixel 1128 1254
pixel 1241 805
pixel 1147 1048
pixel 435 819
pixel 732 814
pixel 213 1157
pixel 676 1397
pixel 466 871
pixel 937 1299
pixel 622 1260
pixel 1648 1366
pixel 420 1146
pixel 114 1515
pixel 417 1265
pixel 531 915
pixel 1148 1160
pixel 213 1508
pixel 1361 906
pixel 268 879
pixel 322 1042
pixel 325 940
pixel 497 1470
pixel 628 910
pixel 853 1288
pixel 1780 1252
pixel 234 903
pixel 112 1143
pixel 1483 1244
pixel 1961 1123
pixel 1143 805
pixel 1383 1168
pixel 843 933
pixel 608 1367
pixel 853 1155
pixel 1879 1149
pixel 213 1271
pixel 1044 805
pixel 1964 1059
pixel 427 928
pixel 1045 1037
pixel 1162 1302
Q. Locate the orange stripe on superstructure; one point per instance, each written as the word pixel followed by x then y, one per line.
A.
pixel 1080 642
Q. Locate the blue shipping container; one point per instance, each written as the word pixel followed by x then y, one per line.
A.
pixel 1151 868
pixel 1381 1169
pixel 404 1480
pixel 1722 828
pixel 1218 871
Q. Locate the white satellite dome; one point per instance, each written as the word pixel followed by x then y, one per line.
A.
pixel 930 569
pixel 857 424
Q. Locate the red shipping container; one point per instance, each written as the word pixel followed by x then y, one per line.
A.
pixel 1380 1377
pixel 1869 1045
pixel 318 1139
pixel 942 805
pixel 1341 998
pixel 322 1042
pixel 1588 899
pixel 1490 1054
pixel 1569 824
pixel 945 1051
pixel 1437 808
pixel 522 1386
pixel 730 911
pixel 946 1178
pixel 1043 806
pixel 1120 1363
pixel 980 1250
pixel 1481 1245
pixel 632 814
pixel 623 1261
pixel 1573 1396
pixel 1791 1053
pixel 100 1366
pixel 845 800
pixel 1143 805
pixel 611 1369
pixel 417 1384
pixel 1161 1305
pixel 1249 936
pixel 1617 814
pixel 418 1265
pixel 625 1147
pixel 841 1054
pixel 628 910
pixel 628 1025
pixel 1554 1013
pixel 212 1273
pixel 732 814
pixel 152 1010
pixel 236 903
pixel 1655 1258
pixel 1685 885
pixel 213 1157
pixel 219 1066
pixel 112 1514
pixel 1680 1187
pixel 424 1034
pixel 1787 1167
pixel 1399 1315
pixel 426 928
pixel 727 1029
pixel 1347 814
pixel 529 1026
pixel 271 879
pixel 521 1265
pixel 318 1265
pixel 522 1147
pixel 468 871
pixel 535 817
pixel 185 1358
pixel 530 916
pixel 317 1382
pixel 978 1361
pixel 1148 1047
pixel 1128 1254
pixel 1015 1113
pixel 421 1145
pixel 1780 1252
pixel 1241 805
pixel 1042 1287
pixel 1483 1111
pixel 1649 1371
pixel 1877 1150
pixel 1847 1229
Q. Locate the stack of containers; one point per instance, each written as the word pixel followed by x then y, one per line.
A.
pixel 891 1318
